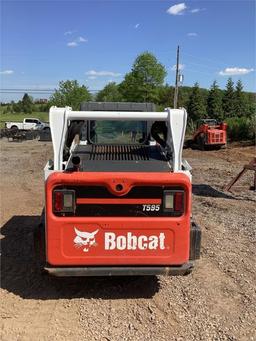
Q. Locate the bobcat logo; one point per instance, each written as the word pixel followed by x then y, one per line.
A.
pixel 85 239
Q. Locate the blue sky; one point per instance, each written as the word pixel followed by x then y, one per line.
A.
pixel 95 42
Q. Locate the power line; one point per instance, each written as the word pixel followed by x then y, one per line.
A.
pixel 26 89
pixel 212 61
pixel 202 65
pixel 38 91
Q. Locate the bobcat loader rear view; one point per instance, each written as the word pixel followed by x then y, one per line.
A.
pixel 117 202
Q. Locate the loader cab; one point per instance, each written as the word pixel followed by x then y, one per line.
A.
pixel 110 145
pixel 209 122
pixel 110 132
pixel 118 132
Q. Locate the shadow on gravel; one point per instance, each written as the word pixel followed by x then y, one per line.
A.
pixel 209 191
pixel 19 274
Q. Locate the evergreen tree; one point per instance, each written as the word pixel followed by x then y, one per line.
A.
pixel 196 107
pixel 27 104
pixel 214 102
pixel 240 108
pixel 17 107
pixel 228 103
pixel 184 95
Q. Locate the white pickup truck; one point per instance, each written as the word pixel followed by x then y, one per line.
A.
pixel 28 124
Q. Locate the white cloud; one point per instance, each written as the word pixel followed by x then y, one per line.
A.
pixel 181 67
pixel 136 26
pixel 92 77
pixel 81 40
pixel 76 41
pixel 102 73
pixel 6 72
pixel 68 33
pixel 72 44
pixel 177 9
pixel 196 10
pixel 235 71
pixel 181 8
pixel 192 34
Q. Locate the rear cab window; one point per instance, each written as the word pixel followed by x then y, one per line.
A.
pixel 117 132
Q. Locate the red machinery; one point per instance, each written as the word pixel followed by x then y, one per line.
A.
pixel 210 133
pixel 116 205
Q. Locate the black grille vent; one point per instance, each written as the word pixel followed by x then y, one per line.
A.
pixel 119 152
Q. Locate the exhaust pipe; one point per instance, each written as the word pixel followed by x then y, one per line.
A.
pixel 76 163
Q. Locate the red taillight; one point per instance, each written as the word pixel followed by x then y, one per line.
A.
pixel 178 202
pixel 64 201
pixel 58 201
pixel 173 201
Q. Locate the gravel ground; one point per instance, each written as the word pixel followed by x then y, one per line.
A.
pixel 215 302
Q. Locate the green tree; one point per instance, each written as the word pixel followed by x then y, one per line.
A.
pixel 196 107
pixel 214 102
pixel 17 107
pixel 27 104
pixel 9 109
pixel 240 105
pixel 110 93
pixel 147 74
pixel 183 97
pixel 70 93
pixel 228 103
pixel 165 95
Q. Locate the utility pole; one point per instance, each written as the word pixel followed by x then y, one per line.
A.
pixel 176 91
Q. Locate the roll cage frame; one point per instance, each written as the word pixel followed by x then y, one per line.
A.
pixel 176 120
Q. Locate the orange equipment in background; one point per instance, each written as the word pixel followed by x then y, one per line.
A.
pixel 210 134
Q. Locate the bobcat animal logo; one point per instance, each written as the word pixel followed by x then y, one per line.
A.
pixel 85 239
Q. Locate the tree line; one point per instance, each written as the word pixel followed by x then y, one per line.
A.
pixel 146 83
pixel 26 105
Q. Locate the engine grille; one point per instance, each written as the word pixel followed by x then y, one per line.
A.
pixel 216 137
pixel 119 152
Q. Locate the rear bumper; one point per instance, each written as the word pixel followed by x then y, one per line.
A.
pixel 181 270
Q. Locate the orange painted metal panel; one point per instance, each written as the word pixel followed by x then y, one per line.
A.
pixel 117 240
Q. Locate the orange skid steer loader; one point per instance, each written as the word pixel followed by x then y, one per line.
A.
pixel 209 135
pixel 117 202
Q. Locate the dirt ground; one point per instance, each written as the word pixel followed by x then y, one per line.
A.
pixel 215 302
